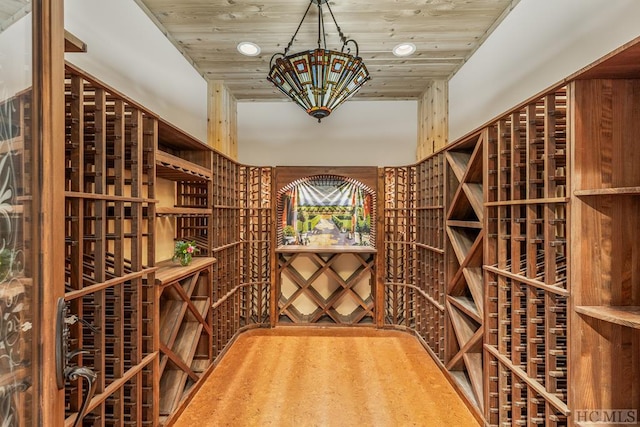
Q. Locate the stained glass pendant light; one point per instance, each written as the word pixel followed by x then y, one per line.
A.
pixel 319 80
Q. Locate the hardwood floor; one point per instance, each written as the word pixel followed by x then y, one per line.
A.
pixel 326 377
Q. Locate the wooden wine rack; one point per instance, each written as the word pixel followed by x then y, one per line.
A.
pixel 186 329
pixel 463 253
pixel 255 235
pixel 337 283
pixel 155 328
pixel 414 270
pixel 476 254
pixel 241 246
pixel 109 246
pixel 430 251
pixel 399 233
pixel 526 265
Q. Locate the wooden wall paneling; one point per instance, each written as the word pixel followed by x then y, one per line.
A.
pixel 433 123
pixel 367 175
pixel 222 124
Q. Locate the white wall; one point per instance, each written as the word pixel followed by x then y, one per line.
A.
pixel 129 53
pixel 358 133
pixel 15 58
pixel 537 45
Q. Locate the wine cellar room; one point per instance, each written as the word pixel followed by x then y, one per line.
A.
pixel 444 231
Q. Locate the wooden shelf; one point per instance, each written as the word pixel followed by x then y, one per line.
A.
pixel 175 138
pixel 467 305
pixel 465 224
pixel 462 241
pixel 464 325
pixel 459 161
pixel 613 191
pixel 604 269
pixel 174 168
pixel 185 304
pixel 170 271
pixel 296 249
pixel 179 211
pixel 628 316
pixel 474 194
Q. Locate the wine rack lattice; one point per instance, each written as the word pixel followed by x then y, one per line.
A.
pixel 526 267
pixel 414 275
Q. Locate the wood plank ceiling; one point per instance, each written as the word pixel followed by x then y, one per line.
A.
pixel 445 33
pixel 11 11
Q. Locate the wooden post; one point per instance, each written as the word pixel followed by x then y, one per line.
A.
pixel 433 118
pixel 380 256
pixel 48 184
pixel 222 131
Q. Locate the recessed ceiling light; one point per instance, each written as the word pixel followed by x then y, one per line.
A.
pixel 248 48
pixel 404 49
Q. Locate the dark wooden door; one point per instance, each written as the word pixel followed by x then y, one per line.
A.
pixel 31 34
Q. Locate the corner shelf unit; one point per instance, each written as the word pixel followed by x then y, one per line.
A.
pixel 605 261
pixel 186 334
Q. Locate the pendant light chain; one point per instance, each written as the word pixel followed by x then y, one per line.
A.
pixel 322 36
pixel 343 39
pixel 286 50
